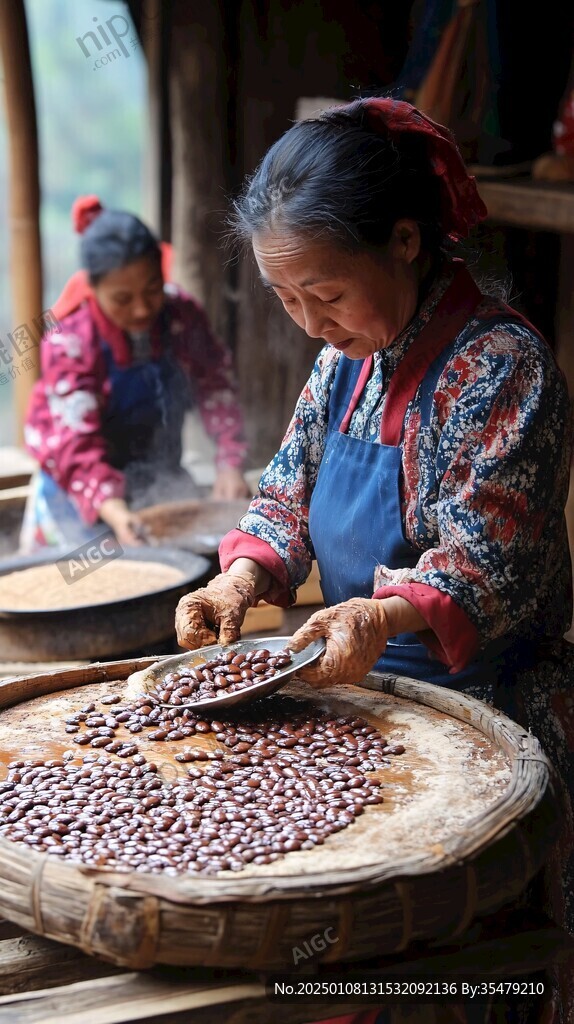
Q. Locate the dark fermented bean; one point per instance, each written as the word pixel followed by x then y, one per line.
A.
pixel 227 673
pixel 128 751
pixel 292 780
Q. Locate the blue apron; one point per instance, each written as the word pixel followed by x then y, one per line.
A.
pixel 143 419
pixel 355 520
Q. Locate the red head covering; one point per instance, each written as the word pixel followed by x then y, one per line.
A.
pixel 85 209
pixel 461 206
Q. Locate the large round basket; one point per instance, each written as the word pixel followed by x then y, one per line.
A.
pixel 397 875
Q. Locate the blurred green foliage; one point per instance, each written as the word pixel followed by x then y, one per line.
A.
pixel 91 123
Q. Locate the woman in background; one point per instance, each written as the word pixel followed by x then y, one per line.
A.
pixel 129 356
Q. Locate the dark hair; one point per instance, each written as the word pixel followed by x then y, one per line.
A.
pixel 113 240
pixel 336 175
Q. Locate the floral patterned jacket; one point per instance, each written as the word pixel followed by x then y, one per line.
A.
pixel 484 485
pixel 64 422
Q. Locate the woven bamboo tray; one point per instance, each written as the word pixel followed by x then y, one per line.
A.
pixel 393 877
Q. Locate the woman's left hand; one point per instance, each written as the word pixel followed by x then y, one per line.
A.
pixel 230 484
pixel 356 633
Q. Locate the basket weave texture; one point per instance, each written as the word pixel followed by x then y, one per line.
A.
pixel 138 920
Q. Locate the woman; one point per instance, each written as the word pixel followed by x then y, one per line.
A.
pixel 426 464
pixel 128 358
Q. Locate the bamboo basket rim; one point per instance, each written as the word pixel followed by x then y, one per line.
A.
pixel 531 779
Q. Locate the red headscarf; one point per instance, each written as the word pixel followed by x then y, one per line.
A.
pixel 461 206
pixel 85 209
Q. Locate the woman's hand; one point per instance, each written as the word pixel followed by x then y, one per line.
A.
pixel 230 484
pixel 221 605
pixel 126 525
pixel 356 633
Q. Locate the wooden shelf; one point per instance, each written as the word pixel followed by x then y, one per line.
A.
pixel 530 204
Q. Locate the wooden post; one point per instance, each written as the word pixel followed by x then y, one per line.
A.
pixel 155 20
pixel 198 101
pixel 24 210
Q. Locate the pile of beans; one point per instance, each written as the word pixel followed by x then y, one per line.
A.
pixel 225 674
pixel 281 780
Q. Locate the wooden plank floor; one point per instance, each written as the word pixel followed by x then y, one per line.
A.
pixel 45 982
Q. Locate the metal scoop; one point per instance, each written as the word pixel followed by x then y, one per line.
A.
pixel 148 680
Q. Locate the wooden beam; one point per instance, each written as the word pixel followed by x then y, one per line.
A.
pixel 28 963
pixel 198 110
pixel 528 204
pixel 125 997
pixel 24 212
pixel 154 31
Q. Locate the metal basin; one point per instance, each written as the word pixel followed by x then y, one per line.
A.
pixel 98 630
pixel 197 526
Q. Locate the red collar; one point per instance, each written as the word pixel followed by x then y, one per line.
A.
pixel 117 339
pixel 111 333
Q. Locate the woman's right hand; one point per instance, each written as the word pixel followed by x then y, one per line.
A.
pixel 220 606
pixel 126 524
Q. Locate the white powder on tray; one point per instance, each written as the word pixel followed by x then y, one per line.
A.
pixel 435 793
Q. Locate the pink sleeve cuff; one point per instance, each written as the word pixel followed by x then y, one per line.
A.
pixel 238 544
pixel 454 639
pixel 113 488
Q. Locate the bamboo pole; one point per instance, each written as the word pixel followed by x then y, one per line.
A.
pixel 20 351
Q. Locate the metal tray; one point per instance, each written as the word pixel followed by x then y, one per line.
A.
pixel 150 678
pixel 119 627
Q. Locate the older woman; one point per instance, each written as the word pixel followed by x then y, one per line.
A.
pixel 130 355
pixel 425 467
pixel 426 464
